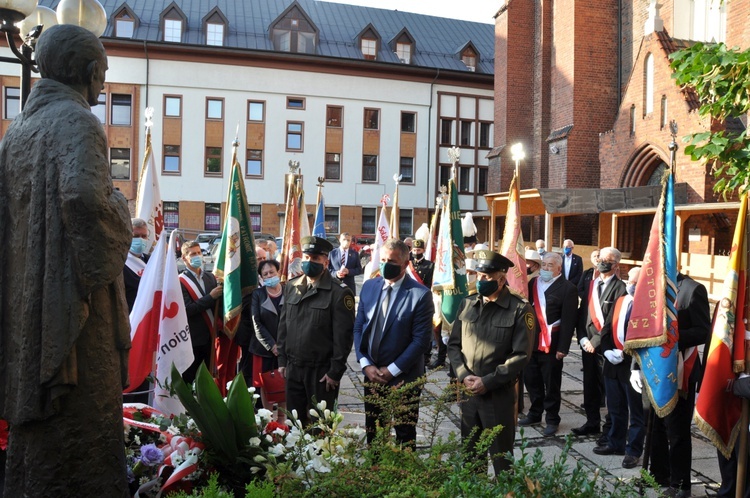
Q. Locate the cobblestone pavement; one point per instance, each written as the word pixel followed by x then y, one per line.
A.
pixel 705 472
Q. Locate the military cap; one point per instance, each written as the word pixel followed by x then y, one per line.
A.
pixel 418 244
pixel 316 245
pixel 471 239
pixel 490 261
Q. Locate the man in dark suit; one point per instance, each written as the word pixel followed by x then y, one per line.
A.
pixel 554 300
pixel 606 288
pixel 344 262
pixel 671 446
pixel 200 291
pixel 392 331
pixel 572 267
pixel 134 267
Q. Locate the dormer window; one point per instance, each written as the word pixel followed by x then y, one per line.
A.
pixel 124 26
pixel 369 49
pixel 293 31
pixel 403 51
pixel 173 23
pixel 214 25
pixel 125 22
pixel 469 58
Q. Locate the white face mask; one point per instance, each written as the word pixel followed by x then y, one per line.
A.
pixel 546 275
pixel 471 278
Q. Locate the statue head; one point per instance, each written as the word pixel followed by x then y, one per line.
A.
pixel 73 56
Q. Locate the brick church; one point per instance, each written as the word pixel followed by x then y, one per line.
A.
pixel 587 88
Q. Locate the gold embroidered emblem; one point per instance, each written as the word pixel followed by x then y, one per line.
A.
pixel 349 302
pixel 529 318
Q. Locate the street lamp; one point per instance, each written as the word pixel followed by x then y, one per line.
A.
pixel 518 155
pixel 25 19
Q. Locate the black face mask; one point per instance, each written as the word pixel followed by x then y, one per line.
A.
pixel 418 257
pixel 604 267
pixel 312 269
pixel 389 271
pixel 487 287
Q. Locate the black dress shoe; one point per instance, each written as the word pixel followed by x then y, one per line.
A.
pixel 630 461
pixel 528 421
pixel 603 440
pixel 550 430
pixel 586 429
pixel 608 450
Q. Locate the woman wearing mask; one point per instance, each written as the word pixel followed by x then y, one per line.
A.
pixel 265 309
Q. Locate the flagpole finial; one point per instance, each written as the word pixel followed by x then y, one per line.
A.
pixel 293 167
pixel 385 199
pixel 397 178
pixel 149 114
pixel 321 180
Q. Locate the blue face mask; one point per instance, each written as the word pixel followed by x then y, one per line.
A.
pixel 196 262
pixel 546 275
pixel 312 269
pixel 138 246
pixel 272 281
pixel 567 250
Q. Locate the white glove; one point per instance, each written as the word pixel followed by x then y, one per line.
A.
pixel 612 356
pixel 445 339
pixel 635 381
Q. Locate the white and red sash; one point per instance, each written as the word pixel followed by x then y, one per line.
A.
pixel 136 264
pixel 196 293
pixel 595 307
pixel 620 320
pixel 540 309
pixel 413 273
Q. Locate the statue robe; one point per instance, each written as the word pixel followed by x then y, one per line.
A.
pixel 64 330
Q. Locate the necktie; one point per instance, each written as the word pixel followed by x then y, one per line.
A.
pixel 343 259
pixel 377 329
pixel 600 288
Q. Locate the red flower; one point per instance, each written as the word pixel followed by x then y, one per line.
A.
pixel 3 435
pixel 273 425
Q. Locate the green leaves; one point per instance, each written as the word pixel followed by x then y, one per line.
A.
pixel 720 77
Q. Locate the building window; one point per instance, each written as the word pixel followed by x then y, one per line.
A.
pixel 464 179
pixel 469 58
pixel 405 222
pixel 482 181
pixel 213 161
pixel 332 220
pixel 254 162
pixel 171 159
pixel 372 119
pixel 445 175
pixel 403 51
pixel 408 122
pixel 368 219
pixel 369 168
pixel 466 127
pixel 124 26
pixel 256 111
pixel 214 109
pixel 173 30
pixel 446 131
pixel 172 107
pixel 212 218
pixel 406 169
pixel 295 103
pixel 214 34
pixel 485 134
pixel 119 163
pixel 255 218
pixel 333 166
pixel 121 109
pixel 100 109
pixel 294 33
pixel 648 105
pixel 664 118
pixel 632 119
pixel 333 116
pixel 294 132
pixel 369 49
pixel 171 214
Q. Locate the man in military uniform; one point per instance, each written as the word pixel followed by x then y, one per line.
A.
pixel 489 346
pixel 315 331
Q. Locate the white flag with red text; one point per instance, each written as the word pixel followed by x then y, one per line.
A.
pixel 148 205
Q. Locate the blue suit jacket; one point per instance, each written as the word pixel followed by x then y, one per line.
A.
pixel 408 327
pixel 352 264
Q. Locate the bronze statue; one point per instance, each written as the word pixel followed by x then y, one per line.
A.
pixel 64 331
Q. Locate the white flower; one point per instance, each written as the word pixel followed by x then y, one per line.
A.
pixel 322 405
pixel 254 441
pixel 259 459
pixel 313 413
pixel 269 438
pixel 256 396
pixel 173 430
pixel 327 414
pixel 251 390
pixel 279 432
pixel 294 414
pixel 137 440
pixel 255 470
pixel 229 385
pixel 191 424
pixel 265 415
pixel 277 450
